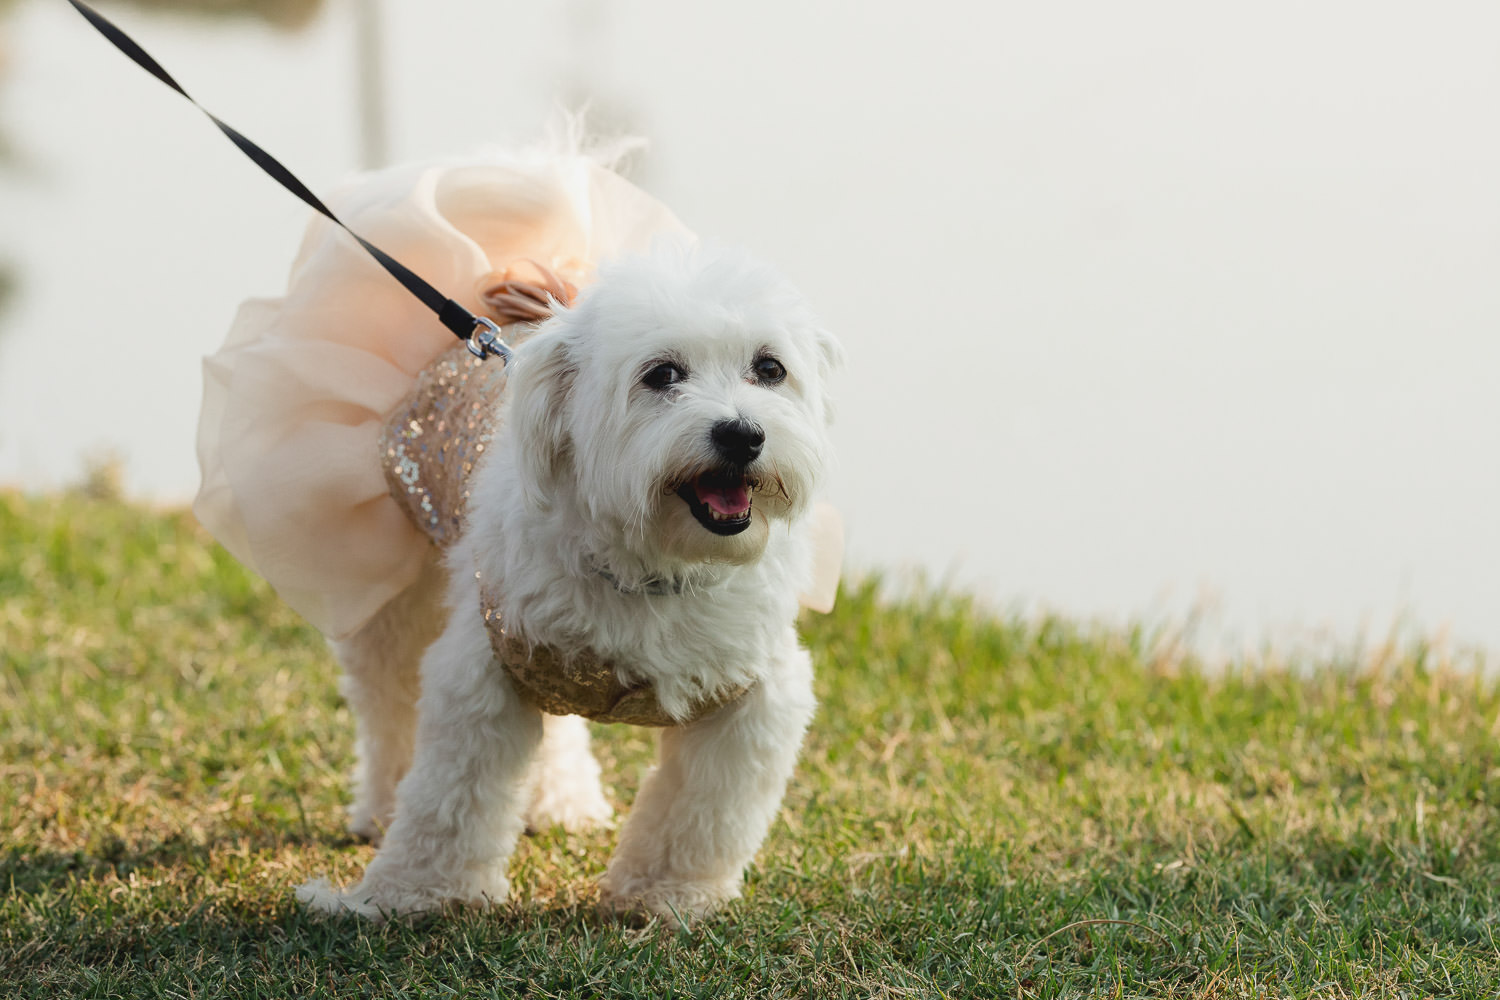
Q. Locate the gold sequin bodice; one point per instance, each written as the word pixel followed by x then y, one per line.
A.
pixel 434 438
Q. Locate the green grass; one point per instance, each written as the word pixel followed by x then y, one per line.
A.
pixel 986 807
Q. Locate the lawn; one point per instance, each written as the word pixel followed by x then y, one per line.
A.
pixel 987 806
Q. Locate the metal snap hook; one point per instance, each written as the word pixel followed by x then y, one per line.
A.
pixel 485 341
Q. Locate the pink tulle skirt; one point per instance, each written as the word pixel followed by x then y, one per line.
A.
pixel 294 401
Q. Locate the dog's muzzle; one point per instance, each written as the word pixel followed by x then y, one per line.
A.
pixel 721 498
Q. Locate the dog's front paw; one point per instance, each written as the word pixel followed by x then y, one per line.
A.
pixel 321 897
pixel 380 897
pixel 684 901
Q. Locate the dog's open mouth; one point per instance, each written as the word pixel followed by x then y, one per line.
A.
pixel 720 500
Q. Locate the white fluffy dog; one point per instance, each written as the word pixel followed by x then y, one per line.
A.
pixel 646 498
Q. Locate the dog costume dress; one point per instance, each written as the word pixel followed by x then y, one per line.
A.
pixel 311 473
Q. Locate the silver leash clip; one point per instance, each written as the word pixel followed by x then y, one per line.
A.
pixel 485 341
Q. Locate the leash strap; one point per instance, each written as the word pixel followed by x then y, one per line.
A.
pixel 481 334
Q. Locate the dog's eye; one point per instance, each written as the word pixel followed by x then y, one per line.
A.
pixel 662 376
pixel 768 370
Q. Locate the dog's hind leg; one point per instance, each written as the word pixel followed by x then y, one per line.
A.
pixel 566 788
pixel 381 663
pixel 702 814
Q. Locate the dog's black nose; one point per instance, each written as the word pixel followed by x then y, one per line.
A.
pixel 738 441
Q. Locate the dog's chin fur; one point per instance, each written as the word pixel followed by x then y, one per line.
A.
pixel 569 520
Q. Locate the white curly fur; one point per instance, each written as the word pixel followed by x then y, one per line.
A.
pixel 571 511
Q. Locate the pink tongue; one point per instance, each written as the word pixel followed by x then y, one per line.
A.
pixel 725 499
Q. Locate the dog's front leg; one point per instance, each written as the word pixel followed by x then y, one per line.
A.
pixel 459 809
pixel 702 814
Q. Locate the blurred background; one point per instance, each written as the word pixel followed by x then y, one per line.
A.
pixel 1161 310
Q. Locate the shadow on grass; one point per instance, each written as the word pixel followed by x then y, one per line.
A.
pixel 227 946
pixel 975 920
pixel 28 872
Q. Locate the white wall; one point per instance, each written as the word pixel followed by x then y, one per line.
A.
pixel 1144 302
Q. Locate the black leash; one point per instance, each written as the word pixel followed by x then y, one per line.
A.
pixel 482 335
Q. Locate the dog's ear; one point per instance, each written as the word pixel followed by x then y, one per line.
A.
pixel 830 360
pixel 540 385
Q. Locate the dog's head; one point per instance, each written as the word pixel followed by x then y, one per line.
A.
pixel 681 404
